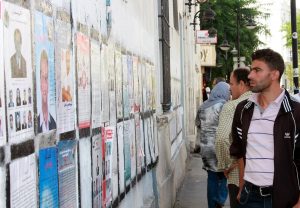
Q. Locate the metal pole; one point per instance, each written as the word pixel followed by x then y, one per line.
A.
pixel 238 35
pixel 294 46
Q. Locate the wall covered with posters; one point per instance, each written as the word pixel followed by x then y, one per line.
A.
pixel 79 103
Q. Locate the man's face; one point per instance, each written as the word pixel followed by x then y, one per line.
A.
pixel 68 61
pixel 261 76
pixel 234 87
pixel 44 81
pixel 11 121
pixel 18 42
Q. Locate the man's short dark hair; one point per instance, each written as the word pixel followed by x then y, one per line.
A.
pixel 273 59
pixel 241 74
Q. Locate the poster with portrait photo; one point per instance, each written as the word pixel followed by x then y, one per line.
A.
pixel 127 152
pixel 112 85
pixel 120 127
pixel 136 85
pixel 96 170
pixel 23 191
pixel 18 70
pixel 48 177
pixel 2 99
pixel 96 83
pixel 83 80
pixel 65 78
pixel 126 104
pixel 45 72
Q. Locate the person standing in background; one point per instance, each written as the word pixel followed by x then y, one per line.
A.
pixel 239 88
pixel 207 120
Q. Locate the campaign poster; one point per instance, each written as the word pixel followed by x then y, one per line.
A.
pixel 96 83
pixel 83 80
pixel 45 72
pixel 85 172
pixel 147 148
pixel 114 166
pixel 23 187
pixel 18 73
pixel 108 134
pixel 119 84
pixel 112 85
pixel 104 84
pixel 142 145
pixel 126 104
pixel 65 77
pixel 130 83
pixel 97 170
pixel 64 5
pixel 120 126
pixel 132 148
pixel 2 99
pixel 127 152
pixel 48 177
pixel 2 186
pixel 139 147
pixel 136 85
pixel 154 86
pixel 67 179
pixel 151 139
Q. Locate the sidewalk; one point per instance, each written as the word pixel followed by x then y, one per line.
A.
pixel 192 194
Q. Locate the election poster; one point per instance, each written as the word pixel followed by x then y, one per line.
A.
pixel 120 127
pixel 97 170
pixel 104 84
pixel 119 84
pixel 2 98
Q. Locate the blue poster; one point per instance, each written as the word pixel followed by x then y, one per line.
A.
pixel 45 72
pixel 48 178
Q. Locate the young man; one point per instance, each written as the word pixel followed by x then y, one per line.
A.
pixel 265 133
pixel 239 87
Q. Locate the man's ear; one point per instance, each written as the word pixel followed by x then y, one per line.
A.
pixel 275 74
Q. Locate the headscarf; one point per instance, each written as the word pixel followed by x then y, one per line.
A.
pixel 220 93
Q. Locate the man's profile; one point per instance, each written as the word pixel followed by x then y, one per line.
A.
pixel 45 120
pixel 17 61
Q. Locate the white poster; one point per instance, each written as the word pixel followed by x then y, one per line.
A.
pixel 65 78
pixel 104 84
pixel 146 134
pixel 83 80
pixel 120 127
pixel 119 84
pixel 2 99
pixel 97 170
pixel 2 186
pixel 85 172
pixel 96 84
pixel 114 172
pixel 18 72
pixel 132 148
pixel 112 85
pixel 126 104
pixel 23 187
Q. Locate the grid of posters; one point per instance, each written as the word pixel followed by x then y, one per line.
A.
pixel 45 72
pixel 23 191
pixel 85 172
pixel 97 170
pixel 65 78
pixel 2 101
pixel 68 195
pixel 83 80
pixel 17 59
pixel 48 177
pixel 96 84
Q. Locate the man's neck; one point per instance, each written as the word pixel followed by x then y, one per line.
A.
pixel 266 97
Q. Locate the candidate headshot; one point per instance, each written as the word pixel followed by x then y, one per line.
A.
pixel 18 121
pixel 11 123
pixel 24 97
pixel 18 97
pixel 11 102
pixel 46 121
pixel 17 61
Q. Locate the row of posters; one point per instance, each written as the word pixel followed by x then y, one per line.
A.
pixel 101 180
pixel 104 96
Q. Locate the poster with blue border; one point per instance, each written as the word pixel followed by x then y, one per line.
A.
pixel 48 177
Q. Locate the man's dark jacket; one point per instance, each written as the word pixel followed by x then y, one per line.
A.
pixel 286 147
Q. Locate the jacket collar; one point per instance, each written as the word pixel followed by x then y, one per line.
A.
pixel 286 105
